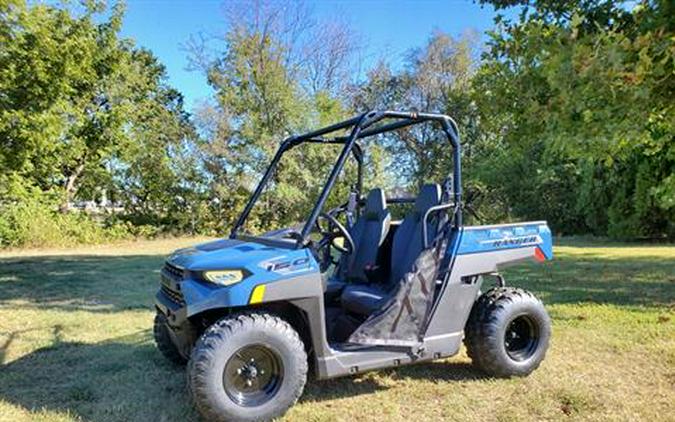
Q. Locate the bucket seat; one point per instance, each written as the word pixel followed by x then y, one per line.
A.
pixel 364 299
pixel 368 233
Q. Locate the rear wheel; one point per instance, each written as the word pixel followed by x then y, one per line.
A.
pixel 250 366
pixel 507 333
pixel 163 341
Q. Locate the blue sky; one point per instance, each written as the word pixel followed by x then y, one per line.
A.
pixel 387 27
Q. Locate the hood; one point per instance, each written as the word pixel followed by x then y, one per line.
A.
pixel 227 254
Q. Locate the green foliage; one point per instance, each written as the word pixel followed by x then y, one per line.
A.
pixel 568 116
pixel 60 108
pixel 30 223
pixel 83 113
pixel 581 94
pixel 261 98
pixel 435 78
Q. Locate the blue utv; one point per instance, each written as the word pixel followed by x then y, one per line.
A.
pixel 349 290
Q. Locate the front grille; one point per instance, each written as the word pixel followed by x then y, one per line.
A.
pixel 171 278
pixel 176 297
pixel 174 273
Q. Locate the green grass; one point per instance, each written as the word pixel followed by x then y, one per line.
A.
pixel 75 344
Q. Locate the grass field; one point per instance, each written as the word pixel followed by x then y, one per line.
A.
pixel 76 344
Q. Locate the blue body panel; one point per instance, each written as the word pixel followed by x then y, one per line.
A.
pixel 264 264
pixel 477 239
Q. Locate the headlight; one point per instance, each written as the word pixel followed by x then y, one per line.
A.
pixel 224 277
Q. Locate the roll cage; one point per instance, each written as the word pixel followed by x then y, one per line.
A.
pixel 362 126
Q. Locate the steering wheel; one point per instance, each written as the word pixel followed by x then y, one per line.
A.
pixel 335 229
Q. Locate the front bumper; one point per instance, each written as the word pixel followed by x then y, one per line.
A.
pixel 169 300
pixel 176 313
pixel 182 332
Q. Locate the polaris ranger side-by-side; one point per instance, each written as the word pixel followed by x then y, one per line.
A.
pixel 349 291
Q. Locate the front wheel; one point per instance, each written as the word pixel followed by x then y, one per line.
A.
pixel 507 333
pixel 249 366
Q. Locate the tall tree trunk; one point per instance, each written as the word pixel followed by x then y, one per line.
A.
pixel 71 187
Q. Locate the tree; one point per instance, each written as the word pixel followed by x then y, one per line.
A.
pixel 272 78
pixel 581 93
pixel 436 78
pixel 82 110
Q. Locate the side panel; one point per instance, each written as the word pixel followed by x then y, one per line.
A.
pixel 474 251
pixel 355 360
pixel 500 237
pixel 306 292
pixel 478 250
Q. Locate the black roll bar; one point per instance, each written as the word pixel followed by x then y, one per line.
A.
pixel 287 145
pixel 361 127
pixel 258 190
pixel 425 220
pixel 364 121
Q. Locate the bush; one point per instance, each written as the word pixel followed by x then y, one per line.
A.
pixel 34 223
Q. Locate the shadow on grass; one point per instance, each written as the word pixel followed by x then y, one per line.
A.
pixel 126 378
pixel 441 371
pixel 122 379
pixel 75 282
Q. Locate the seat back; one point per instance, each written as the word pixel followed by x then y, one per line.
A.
pixel 408 242
pixel 368 234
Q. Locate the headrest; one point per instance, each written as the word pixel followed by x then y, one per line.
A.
pixel 375 204
pixel 429 196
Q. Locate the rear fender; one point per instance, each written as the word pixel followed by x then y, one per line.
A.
pixel 480 250
pixel 507 243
